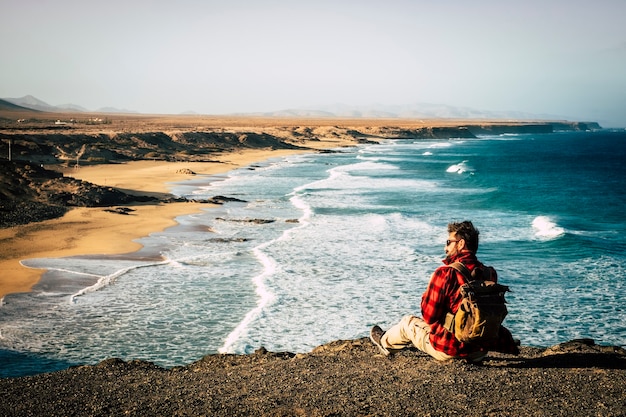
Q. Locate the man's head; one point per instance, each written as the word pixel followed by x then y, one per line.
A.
pixel 462 237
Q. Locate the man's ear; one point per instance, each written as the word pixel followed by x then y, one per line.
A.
pixel 462 245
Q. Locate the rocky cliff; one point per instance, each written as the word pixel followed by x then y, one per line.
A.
pixel 65 144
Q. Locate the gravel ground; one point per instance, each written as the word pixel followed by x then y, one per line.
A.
pixel 342 378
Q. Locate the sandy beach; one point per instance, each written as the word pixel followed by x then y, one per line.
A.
pixel 85 231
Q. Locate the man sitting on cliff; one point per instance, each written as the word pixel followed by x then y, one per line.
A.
pixel 441 297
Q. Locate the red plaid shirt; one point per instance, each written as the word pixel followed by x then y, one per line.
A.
pixel 442 296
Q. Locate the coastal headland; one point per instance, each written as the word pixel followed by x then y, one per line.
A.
pixel 91 184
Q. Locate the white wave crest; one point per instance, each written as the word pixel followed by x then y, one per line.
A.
pixel 367 165
pixel 300 204
pixel 546 229
pixel 265 297
pixel 108 279
pixel 441 145
pixel 460 168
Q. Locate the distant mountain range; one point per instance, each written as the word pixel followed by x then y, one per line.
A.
pixel 409 111
pixel 375 111
pixel 33 103
pixel 7 105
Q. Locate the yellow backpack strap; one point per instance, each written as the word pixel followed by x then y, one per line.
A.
pixel 448 323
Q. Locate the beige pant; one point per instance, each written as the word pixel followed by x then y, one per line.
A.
pixel 414 331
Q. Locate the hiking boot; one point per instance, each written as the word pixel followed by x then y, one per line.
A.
pixel 477 358
pixel 375 335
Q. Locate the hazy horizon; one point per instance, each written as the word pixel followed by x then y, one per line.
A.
pixel 565 58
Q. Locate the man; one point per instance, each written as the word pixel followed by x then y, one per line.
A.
pixel 427 333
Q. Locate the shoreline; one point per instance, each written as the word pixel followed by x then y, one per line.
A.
pixel 240 141
pixel 93 231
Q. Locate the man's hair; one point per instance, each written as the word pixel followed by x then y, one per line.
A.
pixel 466 231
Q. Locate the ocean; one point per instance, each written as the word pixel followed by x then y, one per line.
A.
pixel 323 246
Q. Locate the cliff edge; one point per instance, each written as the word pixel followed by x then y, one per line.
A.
pixel 342 378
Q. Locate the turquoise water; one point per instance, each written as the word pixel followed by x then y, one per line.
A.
pixel 348 240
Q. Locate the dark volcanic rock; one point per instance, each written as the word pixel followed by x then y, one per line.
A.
pixel 342 378
pixel 90 148
pixel 229 239
pixel 13 213
pixel 220 199
pixel 254 221
pixel 120 210
pixel 28 193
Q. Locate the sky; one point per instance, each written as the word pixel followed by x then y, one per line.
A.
pixel 559 57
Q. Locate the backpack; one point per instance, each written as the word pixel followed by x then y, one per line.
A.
pixel 482 309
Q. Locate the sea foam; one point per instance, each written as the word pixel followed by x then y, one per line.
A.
pixel 546 229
